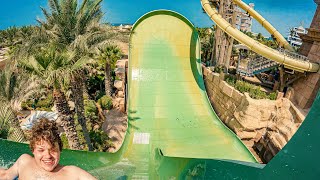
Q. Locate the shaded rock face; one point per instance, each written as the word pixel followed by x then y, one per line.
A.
pixel 116 122
pixel 263 125
pixel 115 126
pixel 268 123
pixel 119 101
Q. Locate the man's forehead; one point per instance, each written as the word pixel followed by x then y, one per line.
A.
pixel 43 144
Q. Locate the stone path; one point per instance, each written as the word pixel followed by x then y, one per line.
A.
pixel 115 126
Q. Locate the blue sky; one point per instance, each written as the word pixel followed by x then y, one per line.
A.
pixel 283 14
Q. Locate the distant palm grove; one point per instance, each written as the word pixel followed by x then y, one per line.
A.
pixel 68 57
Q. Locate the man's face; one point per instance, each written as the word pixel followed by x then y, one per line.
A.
pixel 47 157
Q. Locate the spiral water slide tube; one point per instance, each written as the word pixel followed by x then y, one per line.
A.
pixel 289 62
pixel 173 132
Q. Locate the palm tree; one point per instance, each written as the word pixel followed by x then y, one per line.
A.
pixel 108 56
pixel 8 36
pixel 77 28
pixel 14 88
pixel 55 67
pixel 6 117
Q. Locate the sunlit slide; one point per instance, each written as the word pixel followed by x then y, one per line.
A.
pixel 173 131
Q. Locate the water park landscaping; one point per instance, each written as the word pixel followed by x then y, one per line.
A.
pixel 163 99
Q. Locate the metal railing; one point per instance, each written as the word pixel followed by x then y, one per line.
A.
pixel 293 55
pixel 257 64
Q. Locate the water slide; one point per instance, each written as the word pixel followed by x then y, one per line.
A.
pixel 173 132
pixel 289 62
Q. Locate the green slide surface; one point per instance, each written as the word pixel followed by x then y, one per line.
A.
pixel 173 131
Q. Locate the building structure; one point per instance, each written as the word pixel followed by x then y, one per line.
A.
pixel 244 20
pixel 294 36
pixel 223 42
pixel 305 89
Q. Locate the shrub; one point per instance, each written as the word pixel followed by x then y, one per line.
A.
pixel 45 104
pixel 27 105
pixel 91 113
pixel 64 140
pixel 90 107
pixel 231 80
pixel 100 140
pixel 4 133
pixel 273 96
pixel 105 102
pixel 36 104
pixel 219 69
pixel 255 92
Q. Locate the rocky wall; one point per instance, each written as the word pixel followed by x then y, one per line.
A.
pixel 119 101
pixel 263 125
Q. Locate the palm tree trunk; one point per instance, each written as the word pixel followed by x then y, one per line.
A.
pixel 107 79
pixel 282 83
pixel 67 120
pixel 77 92
pixel 100 113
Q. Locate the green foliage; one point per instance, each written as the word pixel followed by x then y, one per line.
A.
pixel 95 85
pixel 105 102
pixel 41 105
pixel 109 55
pixel 90 107
pixel 255 92
pixel 273 96
pixel 231 80
pixel 232 71
pixel 27 105
pixel 4 133
pixel 100 140
pixel 64 140
pixel 206 36
pixel 9 127
pixel 5 118
pixel 218 69
pixel 259 37
pixel 80 134
pixel 45 104
pixel 91 113
pixel 14 35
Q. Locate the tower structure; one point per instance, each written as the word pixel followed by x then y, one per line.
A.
pixel 244 20
pixel 223 42
pixel 305 89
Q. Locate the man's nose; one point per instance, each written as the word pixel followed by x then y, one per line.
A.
pixel 47 153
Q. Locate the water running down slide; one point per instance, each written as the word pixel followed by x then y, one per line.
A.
pixel 157 131
pixel 288 62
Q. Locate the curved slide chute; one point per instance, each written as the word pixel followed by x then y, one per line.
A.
pixel 273 31
pixel 173 132
pixel 169 113
pixel 287 61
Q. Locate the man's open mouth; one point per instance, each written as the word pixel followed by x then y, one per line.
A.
pixel 48 162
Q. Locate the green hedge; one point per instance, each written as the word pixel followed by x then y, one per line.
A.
pixel 254 91
pixel 105 102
